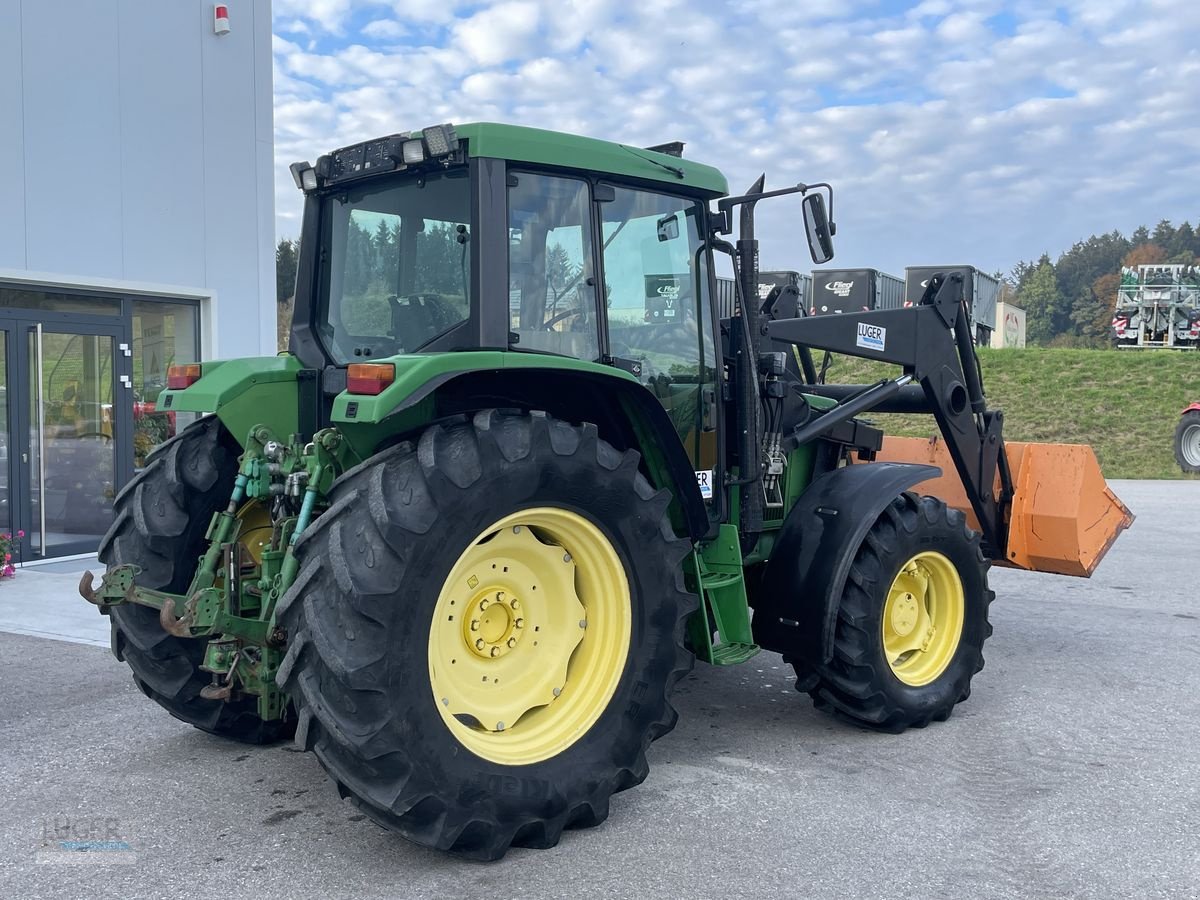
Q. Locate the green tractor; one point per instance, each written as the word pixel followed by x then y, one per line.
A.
pixel 514 476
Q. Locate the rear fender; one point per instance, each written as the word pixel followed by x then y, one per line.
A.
pixel 243 393
pixel 795 608
pixel 1191 407
pixel 626 414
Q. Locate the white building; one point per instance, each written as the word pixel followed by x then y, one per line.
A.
pixel 136 232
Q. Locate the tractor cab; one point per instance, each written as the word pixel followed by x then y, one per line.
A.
pixel 480 238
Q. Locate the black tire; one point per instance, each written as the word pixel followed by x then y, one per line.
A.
pixel 160 519
pixel 858 684
pixel 1187 442
pixel 358 620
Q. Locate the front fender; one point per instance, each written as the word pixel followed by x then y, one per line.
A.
pixel 796 604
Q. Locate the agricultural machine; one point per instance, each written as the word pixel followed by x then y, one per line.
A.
pixel 1158 306
pixel 1187 440
pixel 514 476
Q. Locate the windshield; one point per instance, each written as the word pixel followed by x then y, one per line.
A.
pixel 397 265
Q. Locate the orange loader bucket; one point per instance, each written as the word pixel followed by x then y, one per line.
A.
pixel 1064 516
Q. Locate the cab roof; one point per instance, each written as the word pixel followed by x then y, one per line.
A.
pixel 554 148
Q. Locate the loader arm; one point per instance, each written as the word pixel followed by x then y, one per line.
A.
pixel 932 342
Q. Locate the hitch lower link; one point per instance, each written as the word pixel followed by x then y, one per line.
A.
pixel 117 588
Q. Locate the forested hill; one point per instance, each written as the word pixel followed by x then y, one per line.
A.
pixel 1069 303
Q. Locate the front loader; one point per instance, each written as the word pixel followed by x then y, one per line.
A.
pixel 515 474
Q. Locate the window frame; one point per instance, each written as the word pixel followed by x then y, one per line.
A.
pixel 593 252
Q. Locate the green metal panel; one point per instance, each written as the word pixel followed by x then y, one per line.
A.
pixel 552 148
pixel 415 372
pixel 243 393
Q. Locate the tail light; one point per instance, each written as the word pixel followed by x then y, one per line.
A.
pixel 369 378
pixel 181 377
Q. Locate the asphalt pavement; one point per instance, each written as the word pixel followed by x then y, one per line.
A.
pixel 1072 771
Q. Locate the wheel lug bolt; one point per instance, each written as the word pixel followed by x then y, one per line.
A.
pixel 483 604
pixel 519 623
pixel 566 557
pixel 515 603
pixel 479 644
pixel 512 642
pixel 557 691
pixel 474 624
pixel 583 623
pixel 495 651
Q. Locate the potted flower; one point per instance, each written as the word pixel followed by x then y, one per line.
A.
pixel 7 569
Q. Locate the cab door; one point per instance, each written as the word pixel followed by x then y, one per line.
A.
pixel 657 298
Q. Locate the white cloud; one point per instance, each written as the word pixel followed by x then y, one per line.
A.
pixel 498 33
pixel 944 138
pixel 385 29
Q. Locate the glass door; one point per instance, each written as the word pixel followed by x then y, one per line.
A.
pixel 6 521
pixel 72 407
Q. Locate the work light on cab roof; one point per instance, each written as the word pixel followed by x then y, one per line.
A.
pixel 435 144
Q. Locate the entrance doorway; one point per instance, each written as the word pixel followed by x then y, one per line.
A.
pixel 65 429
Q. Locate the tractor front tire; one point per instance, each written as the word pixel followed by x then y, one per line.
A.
pixel 1187 442
pixel 160 519
pixel 911 624
pixel 485 632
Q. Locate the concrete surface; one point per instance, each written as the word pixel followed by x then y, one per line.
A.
pixel 1072 771
pixel 43 601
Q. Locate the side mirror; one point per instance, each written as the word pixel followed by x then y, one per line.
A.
pixel 818 228
pixel 668 228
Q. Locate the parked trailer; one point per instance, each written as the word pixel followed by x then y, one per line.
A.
pixel 854 290
pixel 980 290
pixel 767 281
pixel 1010 326
pixel 1158 306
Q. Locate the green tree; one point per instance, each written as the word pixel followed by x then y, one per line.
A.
pixel 561 276
pixel 1182 248
pixel 1047 312
pixel 285 269
pixel 1164 234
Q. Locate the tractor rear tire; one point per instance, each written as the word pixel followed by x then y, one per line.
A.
pixel 919 565
pixel 385 652
pixel 1187 442
pixel 160 519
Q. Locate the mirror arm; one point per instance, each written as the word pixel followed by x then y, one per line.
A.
pixel 725 205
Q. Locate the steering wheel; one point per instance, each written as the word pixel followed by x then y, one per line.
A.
pixel 105 438
pixel 549 324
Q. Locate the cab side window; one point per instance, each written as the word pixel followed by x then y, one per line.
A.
pixel 552 297
pixel 656 294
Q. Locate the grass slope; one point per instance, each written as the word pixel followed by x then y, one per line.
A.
pixel 1124 403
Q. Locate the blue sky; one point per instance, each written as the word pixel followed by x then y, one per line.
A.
pixel 954 131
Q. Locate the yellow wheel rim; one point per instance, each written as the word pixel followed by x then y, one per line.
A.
pixel 529 636
pixel 256 530
pixel 923 618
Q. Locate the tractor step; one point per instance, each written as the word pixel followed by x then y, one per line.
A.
pixel 733 654
pixel 723 608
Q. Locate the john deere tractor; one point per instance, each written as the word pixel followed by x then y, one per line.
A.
pixel 514 476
